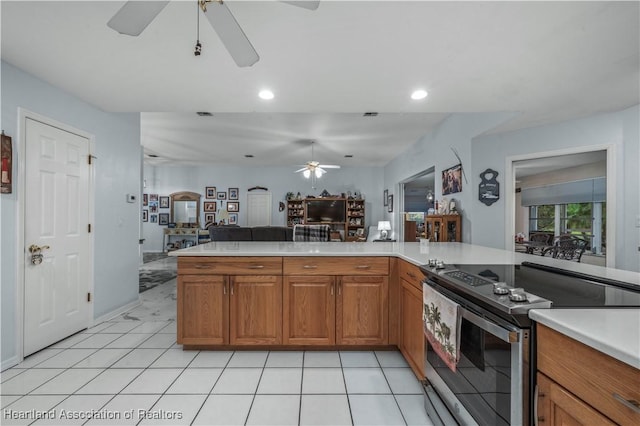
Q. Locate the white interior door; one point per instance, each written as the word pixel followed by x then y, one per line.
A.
pixel 56 218
pixel 259 209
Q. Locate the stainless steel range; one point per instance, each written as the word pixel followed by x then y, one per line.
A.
pixel 492 383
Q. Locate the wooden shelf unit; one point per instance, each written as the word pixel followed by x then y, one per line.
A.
pixel 295 212
pixel 355 216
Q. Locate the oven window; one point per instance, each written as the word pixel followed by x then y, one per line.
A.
pixel 482 382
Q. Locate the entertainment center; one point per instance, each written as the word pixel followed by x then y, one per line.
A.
pixel 346 216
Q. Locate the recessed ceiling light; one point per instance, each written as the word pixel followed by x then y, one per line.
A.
pixel 348 156
pixel 248 155
pixel 204 114
pixel 419 94
pixel 266 94
pixel 370 114
pixel 152 155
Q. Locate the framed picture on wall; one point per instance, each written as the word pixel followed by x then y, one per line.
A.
pixel 233 193
pixel 153 218
pixel 164 202
pixel 153 206
pixel 222 195
pixel 209 218
pixel 163 219
pixel 145 199
pixel 233 206
pixel 233 218
pixel 390 203
pixel 385 198
pixel 153 197
pixel 145 215
pixel 452 180
pixel 210 206
pixel 210 193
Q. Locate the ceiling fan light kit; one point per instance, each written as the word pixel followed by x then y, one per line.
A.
pixel 135 16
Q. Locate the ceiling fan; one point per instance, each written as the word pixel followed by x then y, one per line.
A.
pixel 136 15
pixel 313 169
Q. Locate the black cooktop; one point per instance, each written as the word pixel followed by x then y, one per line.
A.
pixel 563 288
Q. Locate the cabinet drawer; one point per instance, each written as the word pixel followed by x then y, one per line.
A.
pixel 589 374
pixel 411 273
pixel 355 265
pixel 230 265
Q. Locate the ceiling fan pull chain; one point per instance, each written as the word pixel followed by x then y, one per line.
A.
pixel 198 49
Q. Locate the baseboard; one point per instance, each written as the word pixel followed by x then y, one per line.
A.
pixel 8 363
pixel 116 312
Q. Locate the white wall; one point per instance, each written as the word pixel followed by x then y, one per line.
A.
pixel 434 150
pixel 117 172
pixel 620 129
pixel 164 180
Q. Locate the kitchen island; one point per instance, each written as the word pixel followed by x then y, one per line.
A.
pixel 319 295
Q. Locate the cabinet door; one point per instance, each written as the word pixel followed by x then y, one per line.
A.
pixel 202 310
pixel 557 406
pixel 411 335
pixel 362 316
pixel 256 310
pixel 309 310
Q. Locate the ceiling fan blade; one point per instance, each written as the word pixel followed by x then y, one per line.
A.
pixel 329 166
pixel 301 170
pixel 134 16
pixel 232 36
pixel 311 5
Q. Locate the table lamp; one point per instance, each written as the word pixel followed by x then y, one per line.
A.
pixel 384 226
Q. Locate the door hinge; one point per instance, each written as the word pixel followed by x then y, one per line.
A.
pixel 88 297
pixel 89 228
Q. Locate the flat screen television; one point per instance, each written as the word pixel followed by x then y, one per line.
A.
pixel 326 211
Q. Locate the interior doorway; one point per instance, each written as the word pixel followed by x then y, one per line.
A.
pixel 418 197
pixel 563 196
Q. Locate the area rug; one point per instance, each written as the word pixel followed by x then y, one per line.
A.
pixel 150 278
pixel 152 257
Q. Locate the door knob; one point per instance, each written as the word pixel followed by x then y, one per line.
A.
pixel 36 253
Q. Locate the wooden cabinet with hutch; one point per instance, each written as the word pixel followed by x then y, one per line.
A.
pixel 443 228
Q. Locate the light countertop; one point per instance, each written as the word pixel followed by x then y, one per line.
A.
pixel 452 253
pixel 611 331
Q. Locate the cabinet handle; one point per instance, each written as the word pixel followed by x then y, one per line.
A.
pixel 256 267
pixel 411 275
pixel 332 289
pixel 339 287
pixel 204 266
pixel 232 288
pixel 363 267
pixel 310 267
pixel 536 395
pixel 224 288
pixel 632 404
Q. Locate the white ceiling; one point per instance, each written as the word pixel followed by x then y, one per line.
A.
pixel 547 61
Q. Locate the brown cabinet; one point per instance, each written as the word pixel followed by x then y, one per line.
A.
pixel 580 385
pixel 443 228
pixel 309 310
pixel 362 310
pixel 411 341
pixel 229 300
pixel 203 310
pixel 255 310
pixel 557 406
pixel 352 291
pixel 410 231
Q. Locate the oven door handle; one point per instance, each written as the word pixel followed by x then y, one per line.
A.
pixel 509 336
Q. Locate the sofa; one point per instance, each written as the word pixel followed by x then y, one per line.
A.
pixel 255 233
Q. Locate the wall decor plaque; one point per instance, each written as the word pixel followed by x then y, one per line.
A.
pixel 489 188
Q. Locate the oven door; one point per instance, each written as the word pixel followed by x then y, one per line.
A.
pixel 490 385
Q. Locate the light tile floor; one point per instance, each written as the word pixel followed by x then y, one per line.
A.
pixel 130 371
